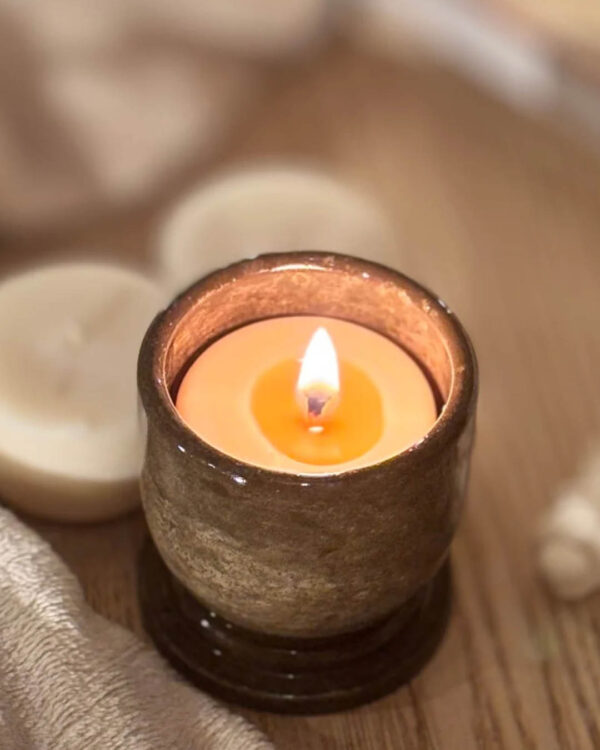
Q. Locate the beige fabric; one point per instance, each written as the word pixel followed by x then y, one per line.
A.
pixel 92 119
pixel 105 103
pixel 70 680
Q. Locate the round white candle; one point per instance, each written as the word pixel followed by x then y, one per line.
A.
pixel 69 425
pixel 269 210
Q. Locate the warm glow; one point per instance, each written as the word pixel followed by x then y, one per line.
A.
pixel 318 387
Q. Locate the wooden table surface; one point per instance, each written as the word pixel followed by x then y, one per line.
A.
pixel 501 216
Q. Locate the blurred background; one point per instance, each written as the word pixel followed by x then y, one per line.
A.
pixel 112 108
pixel 473 127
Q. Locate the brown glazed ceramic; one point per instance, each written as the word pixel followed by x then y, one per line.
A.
pixel 271 565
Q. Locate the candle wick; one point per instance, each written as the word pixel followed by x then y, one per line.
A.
pixel 316 403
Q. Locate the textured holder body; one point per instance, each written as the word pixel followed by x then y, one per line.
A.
pixel 301 556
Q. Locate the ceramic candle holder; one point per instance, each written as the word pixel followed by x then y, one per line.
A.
pixel 301 593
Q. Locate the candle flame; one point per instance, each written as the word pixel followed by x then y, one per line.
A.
pixel 318 386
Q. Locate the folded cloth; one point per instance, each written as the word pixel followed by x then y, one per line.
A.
pixel 69 679
pixel 94 118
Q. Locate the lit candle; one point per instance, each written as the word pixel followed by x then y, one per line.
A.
pixel 259 519
pixel 307 394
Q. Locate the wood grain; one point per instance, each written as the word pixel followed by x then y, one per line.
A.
pixel 500 215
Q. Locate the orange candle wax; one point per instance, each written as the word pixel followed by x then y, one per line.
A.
pixel 352 398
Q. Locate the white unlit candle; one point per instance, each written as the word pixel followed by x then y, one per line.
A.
pixel 270 210
pixel 69 429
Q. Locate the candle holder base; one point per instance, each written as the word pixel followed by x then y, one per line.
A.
pixel 283 674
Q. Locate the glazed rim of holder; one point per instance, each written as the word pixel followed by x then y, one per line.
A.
pixel 452 371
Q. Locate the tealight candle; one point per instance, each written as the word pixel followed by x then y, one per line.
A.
pixel 70 437
pixel 267 209
pixel 353 398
